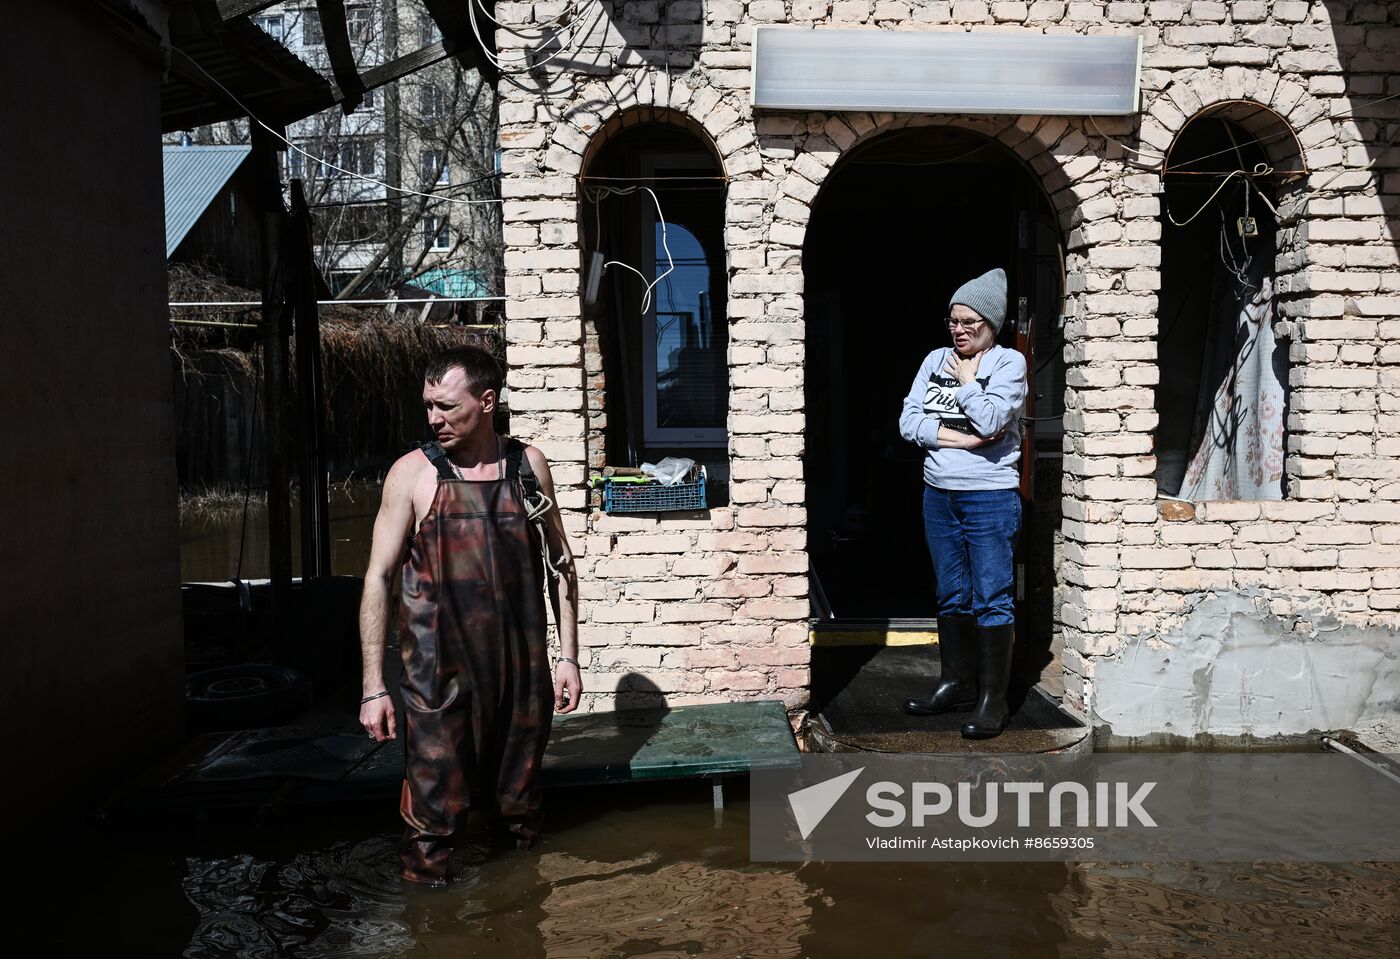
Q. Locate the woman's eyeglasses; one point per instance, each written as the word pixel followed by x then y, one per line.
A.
pixel 964 324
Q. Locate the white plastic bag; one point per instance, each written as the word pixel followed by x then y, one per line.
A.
pixel 671 470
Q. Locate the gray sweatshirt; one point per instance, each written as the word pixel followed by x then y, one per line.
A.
pixel 990 403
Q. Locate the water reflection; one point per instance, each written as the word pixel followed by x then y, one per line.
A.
pixel 675 909
pixel 212 542
pixel 341 901
pixel 651 876
pixel 596 887
pixel 1236 909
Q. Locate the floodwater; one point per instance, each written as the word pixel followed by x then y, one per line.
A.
pixel 642 870
pixel 210 547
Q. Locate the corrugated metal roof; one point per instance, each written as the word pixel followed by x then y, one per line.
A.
pixel 449 282
pixel 193 177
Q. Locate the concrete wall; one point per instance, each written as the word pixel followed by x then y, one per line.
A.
pixel 89 548
pixel 715 608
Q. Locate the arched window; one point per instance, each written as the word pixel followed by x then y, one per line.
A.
pixel 655 294
pixel 1222 399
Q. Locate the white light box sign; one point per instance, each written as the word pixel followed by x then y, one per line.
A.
pixel 795 68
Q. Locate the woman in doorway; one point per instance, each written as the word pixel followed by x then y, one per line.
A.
pixel 964 409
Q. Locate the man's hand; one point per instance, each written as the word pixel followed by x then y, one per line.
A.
pixel 963 370
pixel 377 716
pixel 567 679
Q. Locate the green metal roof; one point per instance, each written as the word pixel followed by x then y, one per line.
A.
pixel 449 282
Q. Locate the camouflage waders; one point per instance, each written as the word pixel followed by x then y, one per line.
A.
pixel 477 690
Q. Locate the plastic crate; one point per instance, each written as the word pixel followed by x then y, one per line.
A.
pixel 654 497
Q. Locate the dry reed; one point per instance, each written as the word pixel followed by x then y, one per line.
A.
pixel 377 350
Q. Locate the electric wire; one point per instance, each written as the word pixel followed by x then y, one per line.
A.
pixel 1259 140
pixel 326 163
pixel 1214 194
pixel 597 194
pixel 1095 121
pixel 523 64
pixel 564 14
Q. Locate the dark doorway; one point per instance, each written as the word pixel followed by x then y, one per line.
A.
pixel 900 224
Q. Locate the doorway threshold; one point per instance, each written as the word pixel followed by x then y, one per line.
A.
pixel 873 632
pixel 858 700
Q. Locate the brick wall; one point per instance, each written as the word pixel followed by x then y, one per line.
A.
pixel 715 608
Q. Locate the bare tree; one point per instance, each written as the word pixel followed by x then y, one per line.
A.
pixel 432 133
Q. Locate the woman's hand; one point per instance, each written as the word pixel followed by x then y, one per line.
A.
pixel 958 440
pixel 963 369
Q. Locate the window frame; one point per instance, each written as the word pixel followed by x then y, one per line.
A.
pixel 432 102
pixel 428 31
pixel 652 434
pixel 310 37
pixel 441 233
pixel 263 21
pixel 427 170
pixel 359 22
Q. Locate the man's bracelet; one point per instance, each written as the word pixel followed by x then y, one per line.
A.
pixel 568 659
pixel 370 699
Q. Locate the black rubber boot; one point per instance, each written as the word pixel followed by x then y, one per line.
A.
pixel 957 681
pixel 994 646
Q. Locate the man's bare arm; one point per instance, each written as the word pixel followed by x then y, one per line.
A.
pixel 391 529
pixel 563 592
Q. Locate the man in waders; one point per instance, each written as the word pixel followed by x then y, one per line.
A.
pixel 470 521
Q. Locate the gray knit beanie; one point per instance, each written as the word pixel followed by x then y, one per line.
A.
pixel 986 295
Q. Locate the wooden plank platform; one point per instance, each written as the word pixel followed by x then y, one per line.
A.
pixel 682 743
pixel 329 760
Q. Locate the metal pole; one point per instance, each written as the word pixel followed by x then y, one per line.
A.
pixel 276 385
pixel 311 460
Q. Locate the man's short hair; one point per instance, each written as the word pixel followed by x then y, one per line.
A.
pixel 480 368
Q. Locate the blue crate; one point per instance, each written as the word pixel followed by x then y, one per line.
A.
pixel 653 497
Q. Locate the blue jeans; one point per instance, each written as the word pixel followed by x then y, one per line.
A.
pixel 971 536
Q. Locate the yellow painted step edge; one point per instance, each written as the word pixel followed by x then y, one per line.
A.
pixel 872 637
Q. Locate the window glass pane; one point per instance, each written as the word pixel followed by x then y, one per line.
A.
pixel 690 374
pixel 311 33
pixel 428 31
pixel 357 23
pixel 435 233
pixel 272 26
pixel 432 103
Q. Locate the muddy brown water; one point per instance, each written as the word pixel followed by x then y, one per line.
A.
pixel 210 546
pixel 642 870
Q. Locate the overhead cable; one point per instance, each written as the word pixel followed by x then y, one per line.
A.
pixel 326 163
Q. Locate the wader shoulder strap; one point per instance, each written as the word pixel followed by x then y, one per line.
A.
pixel 517 463
pixel 438 457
